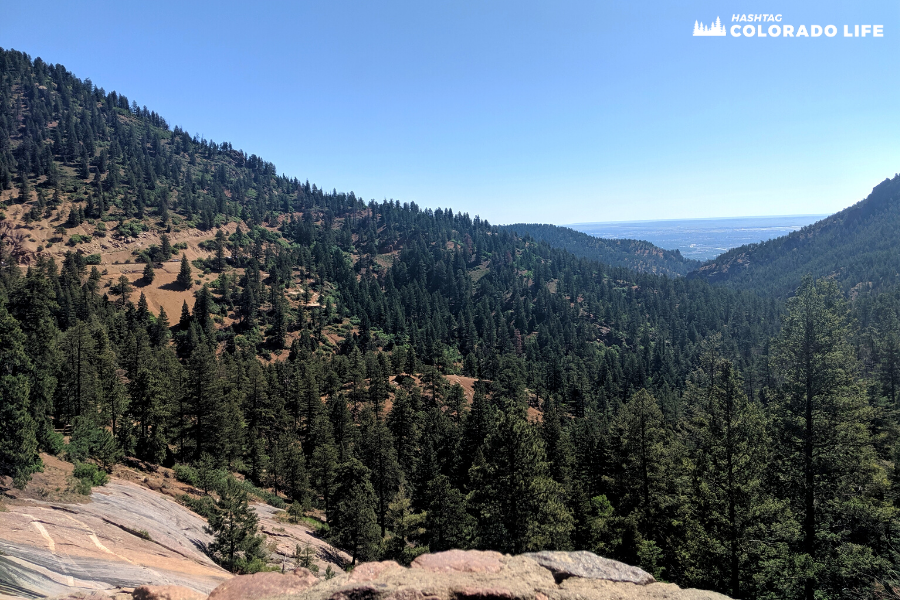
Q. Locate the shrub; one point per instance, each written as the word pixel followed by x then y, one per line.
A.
pixel 205 506
pixel 78 239
pixel 186 474
pixel 53 443
pixel 88 476
pixel 88 441
pixel 92 259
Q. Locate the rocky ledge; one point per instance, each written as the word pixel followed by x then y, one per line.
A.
pixel 453 575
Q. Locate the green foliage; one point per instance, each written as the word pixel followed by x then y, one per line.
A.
pixel 149 273
pixel 237 544
pixel 655 420
pixel 637 255
pixel 88 476
pixel 354 525
pixel 186 474
pixel 185 277
pixel 204 506
pixel 407 530
pixel 209 475
pixel 304 557
pixel 91 442
pixel 18 431
pixel 92 259
pixel 131 228
pixel 77 238
pixel 855 246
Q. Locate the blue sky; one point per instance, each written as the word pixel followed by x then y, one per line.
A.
pixel 555 112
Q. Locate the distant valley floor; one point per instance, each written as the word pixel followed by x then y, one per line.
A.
pixel 700 239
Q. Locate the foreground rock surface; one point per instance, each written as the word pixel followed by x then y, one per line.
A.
pixel 468 575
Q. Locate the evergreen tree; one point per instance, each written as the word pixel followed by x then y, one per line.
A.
pixel 237 544
pixel 729 450
pixel 185 276
pixel 826 458
pixel 18 435
pixel 354 526
pixel 149 273
pixel 520 507
pixel 378 454
pixel 448 525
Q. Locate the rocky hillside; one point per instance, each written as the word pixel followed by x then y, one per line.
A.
pixel 451 575
pixel 129 532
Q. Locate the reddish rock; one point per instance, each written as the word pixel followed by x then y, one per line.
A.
pixel 460 561
pixel 370 571
pixel 484 593
pixel 166 592
pixel 409 594
pixel 264 585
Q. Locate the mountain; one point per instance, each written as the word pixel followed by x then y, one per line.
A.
pixel 418 378
pixel 636 255
pixel 857 247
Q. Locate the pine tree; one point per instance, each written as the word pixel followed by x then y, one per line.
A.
pixel 238 545
pixel 378 454
pixel 729 447
pixel 354 526
pixel 448 525
pixel 520 507
pixel 123 289
pixel 165 247
pixel 185 276
pixel 18 432
pixel 406 529
pixel 220 251
pixel 826 456
pixel 160 332
pixel 149 273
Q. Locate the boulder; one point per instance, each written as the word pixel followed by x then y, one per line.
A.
pixel 261 586
pixel 459 561
pixel 588 565
pixel 166 592
pixel 476 575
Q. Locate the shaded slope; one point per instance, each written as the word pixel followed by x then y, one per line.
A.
pixel 858 247
pixel 637 255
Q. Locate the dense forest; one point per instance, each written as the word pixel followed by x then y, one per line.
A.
pixel 716 437
pixel 636 255
pixel 857 247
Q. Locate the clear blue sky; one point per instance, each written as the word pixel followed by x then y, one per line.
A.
pixel 518 111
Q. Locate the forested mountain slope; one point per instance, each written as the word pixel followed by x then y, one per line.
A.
pixel 636 255
pixel 858 247
pixel 648 418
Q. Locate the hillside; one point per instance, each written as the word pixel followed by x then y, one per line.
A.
pixel 636 255
pixel 418 377
pixel 130 532
pixel 857 247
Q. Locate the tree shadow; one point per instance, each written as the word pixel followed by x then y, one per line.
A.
pixel 173 286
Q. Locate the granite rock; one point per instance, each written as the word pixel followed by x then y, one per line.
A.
pixel 166 592
pixel 588 565
pixel 263 586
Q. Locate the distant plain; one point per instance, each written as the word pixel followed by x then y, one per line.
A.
pixel 700 239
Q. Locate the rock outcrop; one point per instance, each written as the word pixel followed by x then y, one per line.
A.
pixel 468 575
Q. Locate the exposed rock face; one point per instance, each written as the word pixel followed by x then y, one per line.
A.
pixel 588 565
pixel 126 537
pixel 265 585
pixel 468 575
pixel 166 592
